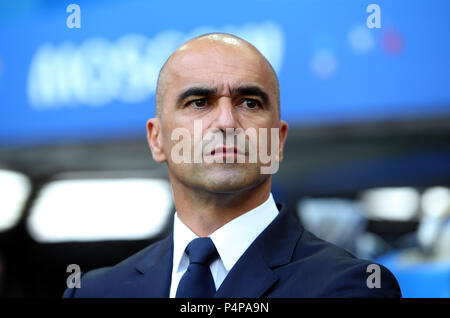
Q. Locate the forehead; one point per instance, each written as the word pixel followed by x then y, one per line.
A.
pixel 218 65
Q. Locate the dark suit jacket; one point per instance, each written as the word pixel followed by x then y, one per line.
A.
pixel 285 260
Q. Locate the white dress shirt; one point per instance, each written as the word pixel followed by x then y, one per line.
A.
pixel 231 241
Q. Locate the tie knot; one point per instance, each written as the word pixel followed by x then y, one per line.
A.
pixel 201 251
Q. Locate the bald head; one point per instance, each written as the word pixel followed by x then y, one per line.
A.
pixel 211 45
pixel 217 85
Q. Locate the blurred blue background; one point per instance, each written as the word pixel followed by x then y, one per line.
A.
pixel 367 162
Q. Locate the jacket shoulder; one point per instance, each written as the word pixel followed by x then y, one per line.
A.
pixel 327 270
pixel 101 281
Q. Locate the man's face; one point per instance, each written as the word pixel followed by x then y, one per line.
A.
pixel 219 87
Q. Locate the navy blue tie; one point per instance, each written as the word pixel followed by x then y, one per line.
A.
pixel 197 281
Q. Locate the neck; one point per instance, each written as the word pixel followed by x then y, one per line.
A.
pixel 204 212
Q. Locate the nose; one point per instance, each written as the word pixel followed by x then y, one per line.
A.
pixel 225 115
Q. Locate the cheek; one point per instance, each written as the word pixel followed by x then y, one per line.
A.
pixel 268 141
pixel 180 146
pixel 259 119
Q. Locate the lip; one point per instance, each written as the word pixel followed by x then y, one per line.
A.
pixel 227 151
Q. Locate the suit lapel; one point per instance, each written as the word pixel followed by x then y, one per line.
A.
pixel 155 271
pixel 253 274
pixel 250 277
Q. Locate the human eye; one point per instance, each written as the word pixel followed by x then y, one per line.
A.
pixel 198 103
pixel 251 103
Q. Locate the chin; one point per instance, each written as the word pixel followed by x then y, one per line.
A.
pixel 231 180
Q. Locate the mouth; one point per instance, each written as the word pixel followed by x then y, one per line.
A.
pixel 227 151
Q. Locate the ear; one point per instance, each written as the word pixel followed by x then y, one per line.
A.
pixel 282 136
pixel 154 138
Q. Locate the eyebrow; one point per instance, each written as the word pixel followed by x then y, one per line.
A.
pixel 252 90
pixel 196 91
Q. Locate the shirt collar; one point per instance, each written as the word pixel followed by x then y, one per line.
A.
pixel 182 235
pixel 233 238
